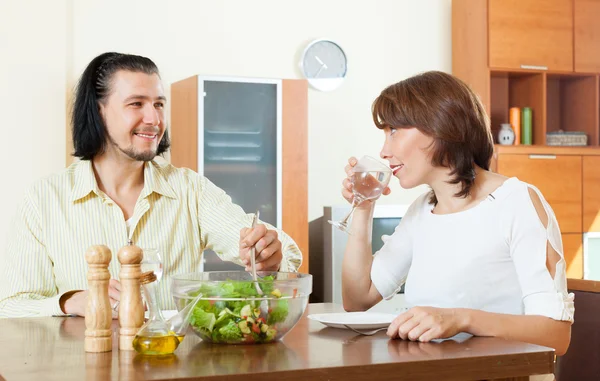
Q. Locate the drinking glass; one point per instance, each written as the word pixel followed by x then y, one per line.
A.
pixel 152 261
pixel 370 177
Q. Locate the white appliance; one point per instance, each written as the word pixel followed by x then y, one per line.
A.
pixel 326 265
pixel 591 255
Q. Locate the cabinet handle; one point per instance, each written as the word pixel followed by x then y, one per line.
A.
pixel 545 157
pixel 534 67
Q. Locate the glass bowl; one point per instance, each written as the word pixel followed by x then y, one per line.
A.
pixel 230 309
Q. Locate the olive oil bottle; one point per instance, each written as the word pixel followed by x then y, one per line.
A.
pixel 157 345
pixel 156 337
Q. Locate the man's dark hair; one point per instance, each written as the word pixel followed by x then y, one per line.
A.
pixel 88 129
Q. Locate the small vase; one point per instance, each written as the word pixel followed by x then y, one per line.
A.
pixel 506 135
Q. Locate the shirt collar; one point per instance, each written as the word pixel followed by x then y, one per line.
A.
pixel 84 180
pixel 154 181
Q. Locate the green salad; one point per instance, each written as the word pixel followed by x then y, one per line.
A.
pixel 239 321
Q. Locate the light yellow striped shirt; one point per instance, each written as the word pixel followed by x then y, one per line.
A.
pixel 179 212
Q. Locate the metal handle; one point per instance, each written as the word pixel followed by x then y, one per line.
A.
pixel 534 67
pixel 545 157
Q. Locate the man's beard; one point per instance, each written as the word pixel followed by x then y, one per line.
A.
pixel 139 156
pixel 148 155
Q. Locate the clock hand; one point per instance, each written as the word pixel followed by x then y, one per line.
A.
pixel 323 66
pixel 319 60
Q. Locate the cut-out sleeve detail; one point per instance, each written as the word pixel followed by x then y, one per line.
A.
pixel 529 239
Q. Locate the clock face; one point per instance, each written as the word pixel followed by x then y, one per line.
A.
pixel 324 64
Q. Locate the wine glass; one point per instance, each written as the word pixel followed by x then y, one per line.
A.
pixel 370 177
pixel 152 261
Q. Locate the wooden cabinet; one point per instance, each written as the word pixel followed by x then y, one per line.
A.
pixel 525 33
pixel 573 251
pixel 249 136
pixel 557 177
pixel 520 53
pixel 586 35
pixel 545 55
pixel 591 193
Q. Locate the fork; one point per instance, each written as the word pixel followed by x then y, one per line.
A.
pixel 253 257
pixel 366 333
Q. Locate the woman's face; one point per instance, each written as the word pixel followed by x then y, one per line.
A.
pixel 407 151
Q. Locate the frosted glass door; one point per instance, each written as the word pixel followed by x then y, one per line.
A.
pixel 240 148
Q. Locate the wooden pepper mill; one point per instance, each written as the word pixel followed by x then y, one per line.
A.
pixel 131 309
pixel 98 313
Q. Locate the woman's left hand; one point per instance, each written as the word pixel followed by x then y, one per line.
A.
pixel 427 323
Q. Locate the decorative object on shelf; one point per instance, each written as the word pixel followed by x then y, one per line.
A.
pixel 526 126
pixel 324 64
pixel 515 123
pixel 506 135
pixel 564 138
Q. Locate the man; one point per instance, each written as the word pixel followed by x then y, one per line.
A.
pixel 121 190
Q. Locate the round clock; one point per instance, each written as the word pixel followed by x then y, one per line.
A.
pixel 324 64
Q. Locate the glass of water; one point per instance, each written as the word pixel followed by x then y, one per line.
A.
pixel 369 179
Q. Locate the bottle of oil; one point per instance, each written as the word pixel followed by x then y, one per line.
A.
pixel 156 337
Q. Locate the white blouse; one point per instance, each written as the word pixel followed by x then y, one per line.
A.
pixel 491 257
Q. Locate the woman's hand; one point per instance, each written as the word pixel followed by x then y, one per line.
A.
pixel 427 323
pixel 347 183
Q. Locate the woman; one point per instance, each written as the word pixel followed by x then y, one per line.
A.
pixel 480 253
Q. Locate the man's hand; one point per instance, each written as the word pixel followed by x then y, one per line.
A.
pixel 268 248
pixel 75 303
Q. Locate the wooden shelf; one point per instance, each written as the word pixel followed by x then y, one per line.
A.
pixel 492 40
pixel 518 89
pixel 559 101
pixel 535 71
pixel 547 150
pixel 572 104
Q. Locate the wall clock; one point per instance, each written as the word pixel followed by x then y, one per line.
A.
pixel 324 64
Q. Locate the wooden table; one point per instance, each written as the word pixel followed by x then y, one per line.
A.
pixel 52 349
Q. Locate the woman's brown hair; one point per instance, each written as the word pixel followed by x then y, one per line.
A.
pixel 444 108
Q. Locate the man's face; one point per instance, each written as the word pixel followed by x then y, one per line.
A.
pixel 134 115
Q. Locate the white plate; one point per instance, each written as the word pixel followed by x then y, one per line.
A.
pixel 356 320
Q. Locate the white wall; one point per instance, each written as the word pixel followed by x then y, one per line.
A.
pixel 385 41
pixel 32 97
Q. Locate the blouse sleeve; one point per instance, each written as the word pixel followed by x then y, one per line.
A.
pixel 528 240
pixel 392 262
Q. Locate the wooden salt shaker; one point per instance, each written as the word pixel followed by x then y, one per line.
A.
pixel 131 309
pixel 98 313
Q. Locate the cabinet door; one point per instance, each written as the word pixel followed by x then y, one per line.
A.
pixel 557 177
pixel 240 127
pixel 573 251
pixel 531 33
pixel 249 137
pixel 591 193
pixel 587 35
